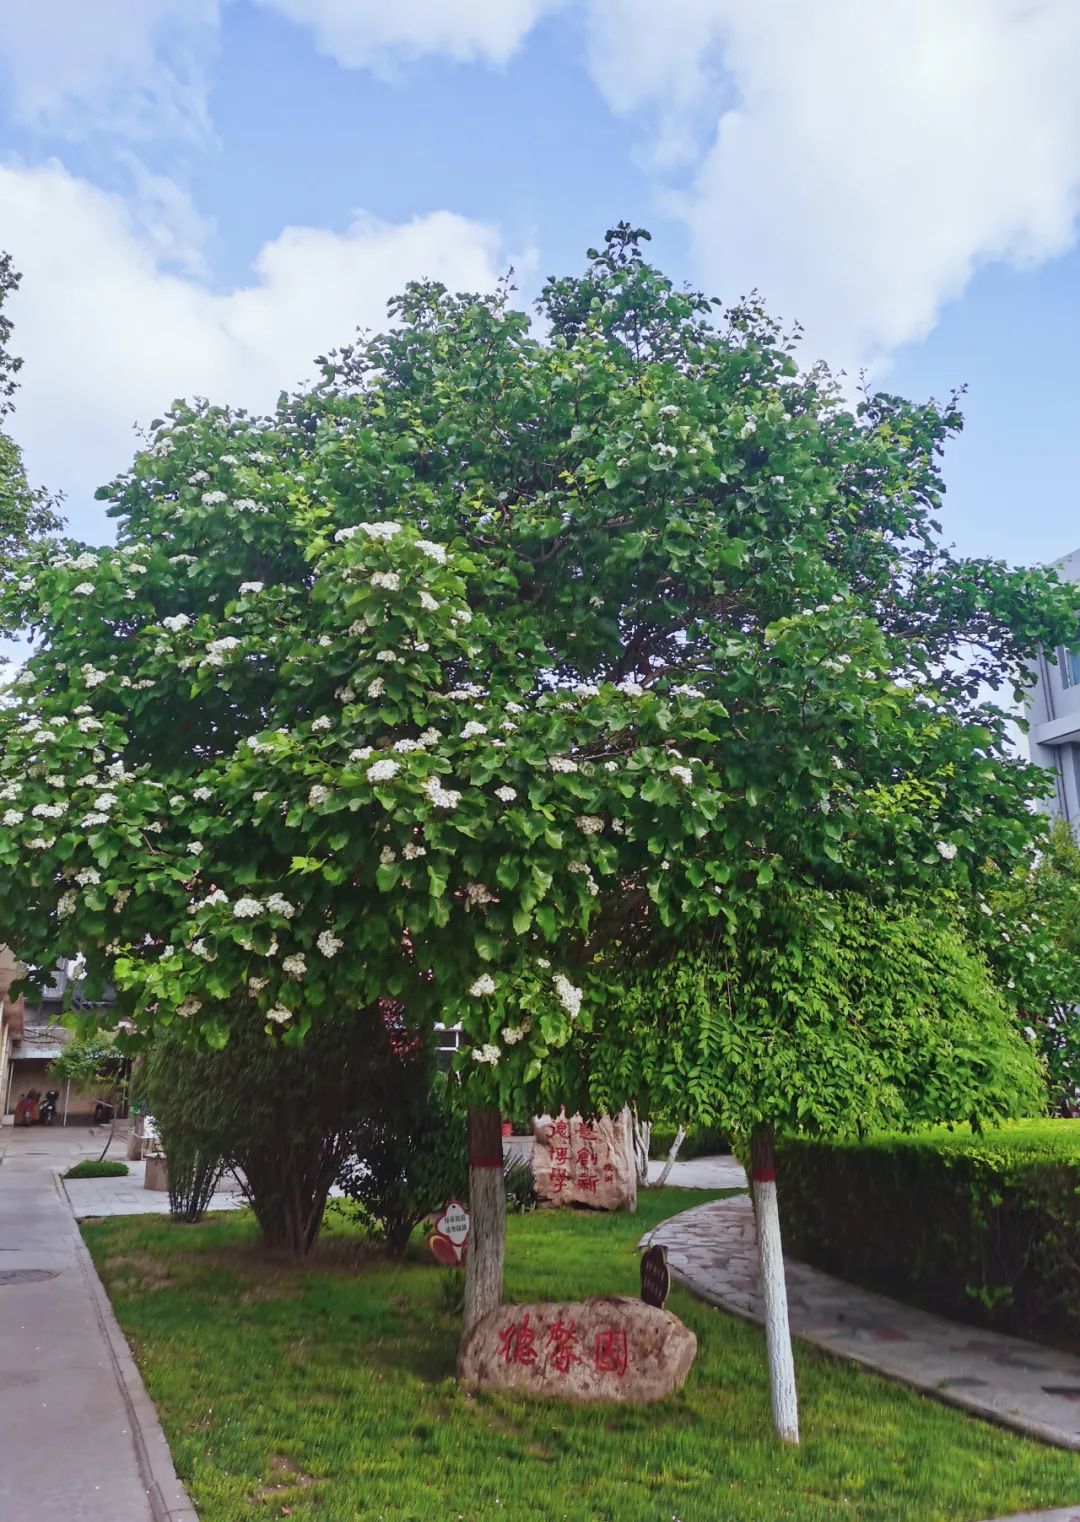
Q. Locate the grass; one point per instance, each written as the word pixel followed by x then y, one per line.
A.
pixel 326 1394
pixel 93 1167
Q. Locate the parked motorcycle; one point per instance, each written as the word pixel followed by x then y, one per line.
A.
pixel 47 1107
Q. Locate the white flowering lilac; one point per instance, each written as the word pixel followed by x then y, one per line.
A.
pixel 569 996
pixel 383 771
pixel 328 943
pixel 247 908
pixel 441 797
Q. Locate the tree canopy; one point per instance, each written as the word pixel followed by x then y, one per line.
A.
pixel 24 512
pixel 499 658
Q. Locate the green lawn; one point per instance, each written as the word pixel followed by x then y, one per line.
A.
pixel 325 1394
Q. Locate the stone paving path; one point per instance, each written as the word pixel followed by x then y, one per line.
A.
pixel 80 1437
pixel 129 1196
pixel 712 1250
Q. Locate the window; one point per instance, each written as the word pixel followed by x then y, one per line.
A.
pixel 1069 661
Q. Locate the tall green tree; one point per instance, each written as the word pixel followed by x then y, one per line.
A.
pixel 501 662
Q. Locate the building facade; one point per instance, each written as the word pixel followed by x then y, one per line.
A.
pixel 1054 718
pixel 31 1036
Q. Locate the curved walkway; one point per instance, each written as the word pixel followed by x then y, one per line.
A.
pixel 712 1250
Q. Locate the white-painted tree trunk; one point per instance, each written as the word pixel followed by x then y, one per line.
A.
pixel 487 1218
pixel 680 1137
pixel 642 1130
pixel 785 1403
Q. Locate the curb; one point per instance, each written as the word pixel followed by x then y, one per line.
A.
pixel 169 1501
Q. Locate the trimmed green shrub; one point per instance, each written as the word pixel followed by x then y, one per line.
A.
pixel 983 1227
pixel 699 1141
pixel 94 1167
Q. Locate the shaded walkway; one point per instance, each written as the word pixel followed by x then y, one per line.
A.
pixel 712 1250
pixel 81 1439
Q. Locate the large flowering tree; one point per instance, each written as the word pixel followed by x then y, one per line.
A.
pixel 498 665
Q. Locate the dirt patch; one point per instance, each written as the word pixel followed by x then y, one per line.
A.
pixel 134 1272
pixel 286 1477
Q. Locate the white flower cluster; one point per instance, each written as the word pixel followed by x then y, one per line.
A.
pixel 630 689
pixel 506 794
pixel 569 996
pixel 428 603
pixel 256 985
pixel 389 581
pixel 383 771
pixel 323 722
pixel 562 764
pixel 412 852
pixel 188 1008
pixel 435 552
pixel 472 729
pixel 376 687
pixel 218 650
pixel 488 1053
pixel 477 895
pixel 175 622
pixel 277 904
pixel 294 966
pixel 372 530
pixel 682 774
pixel 247 908
pixel 441 797
pixel 213 498
pixel 66 904
pixel 589 824
pixel 279 1014
pixel 88 877
pixel 387 856
pixel 581 869
pixel 328 943
pixel 84 589
pixel 317 794
pixel 512 1034
pixel 946 850
pixel 483 986
pixel 250 588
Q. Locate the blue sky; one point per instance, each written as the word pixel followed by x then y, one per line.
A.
pixel 202 194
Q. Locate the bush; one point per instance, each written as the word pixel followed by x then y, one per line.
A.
pixel 283 1113
pixel 411 1153
pixel 699 1141
pixel 984 1227
pixel 95 1168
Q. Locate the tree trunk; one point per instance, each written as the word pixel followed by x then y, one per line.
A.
pixel 785 1405
pixel 487 1223
pixel 680 1137
pixel 642 1131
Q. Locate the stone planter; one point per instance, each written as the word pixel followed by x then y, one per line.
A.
pixel 156 1175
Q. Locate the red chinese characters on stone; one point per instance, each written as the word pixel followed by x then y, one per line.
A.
pixel 559 1179
pixel 517 1342
pixel 560 1346
pixel 560 1127
pixel 610 1351
pixel 587 1182
pixel 587 1132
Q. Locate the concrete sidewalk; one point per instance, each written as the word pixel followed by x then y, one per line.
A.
pixel 81 1439
pixel 712 1250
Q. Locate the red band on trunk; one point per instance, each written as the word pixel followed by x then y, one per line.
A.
pixel 764 1175
pixel 486 1160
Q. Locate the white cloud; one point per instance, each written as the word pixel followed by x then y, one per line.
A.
pixel 374 33
pixel 132 68
pixel 866 159
pixel 111 338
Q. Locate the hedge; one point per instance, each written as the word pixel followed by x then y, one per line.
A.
pixel 93 1167
pixel 699 1141
pixel 982 1227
